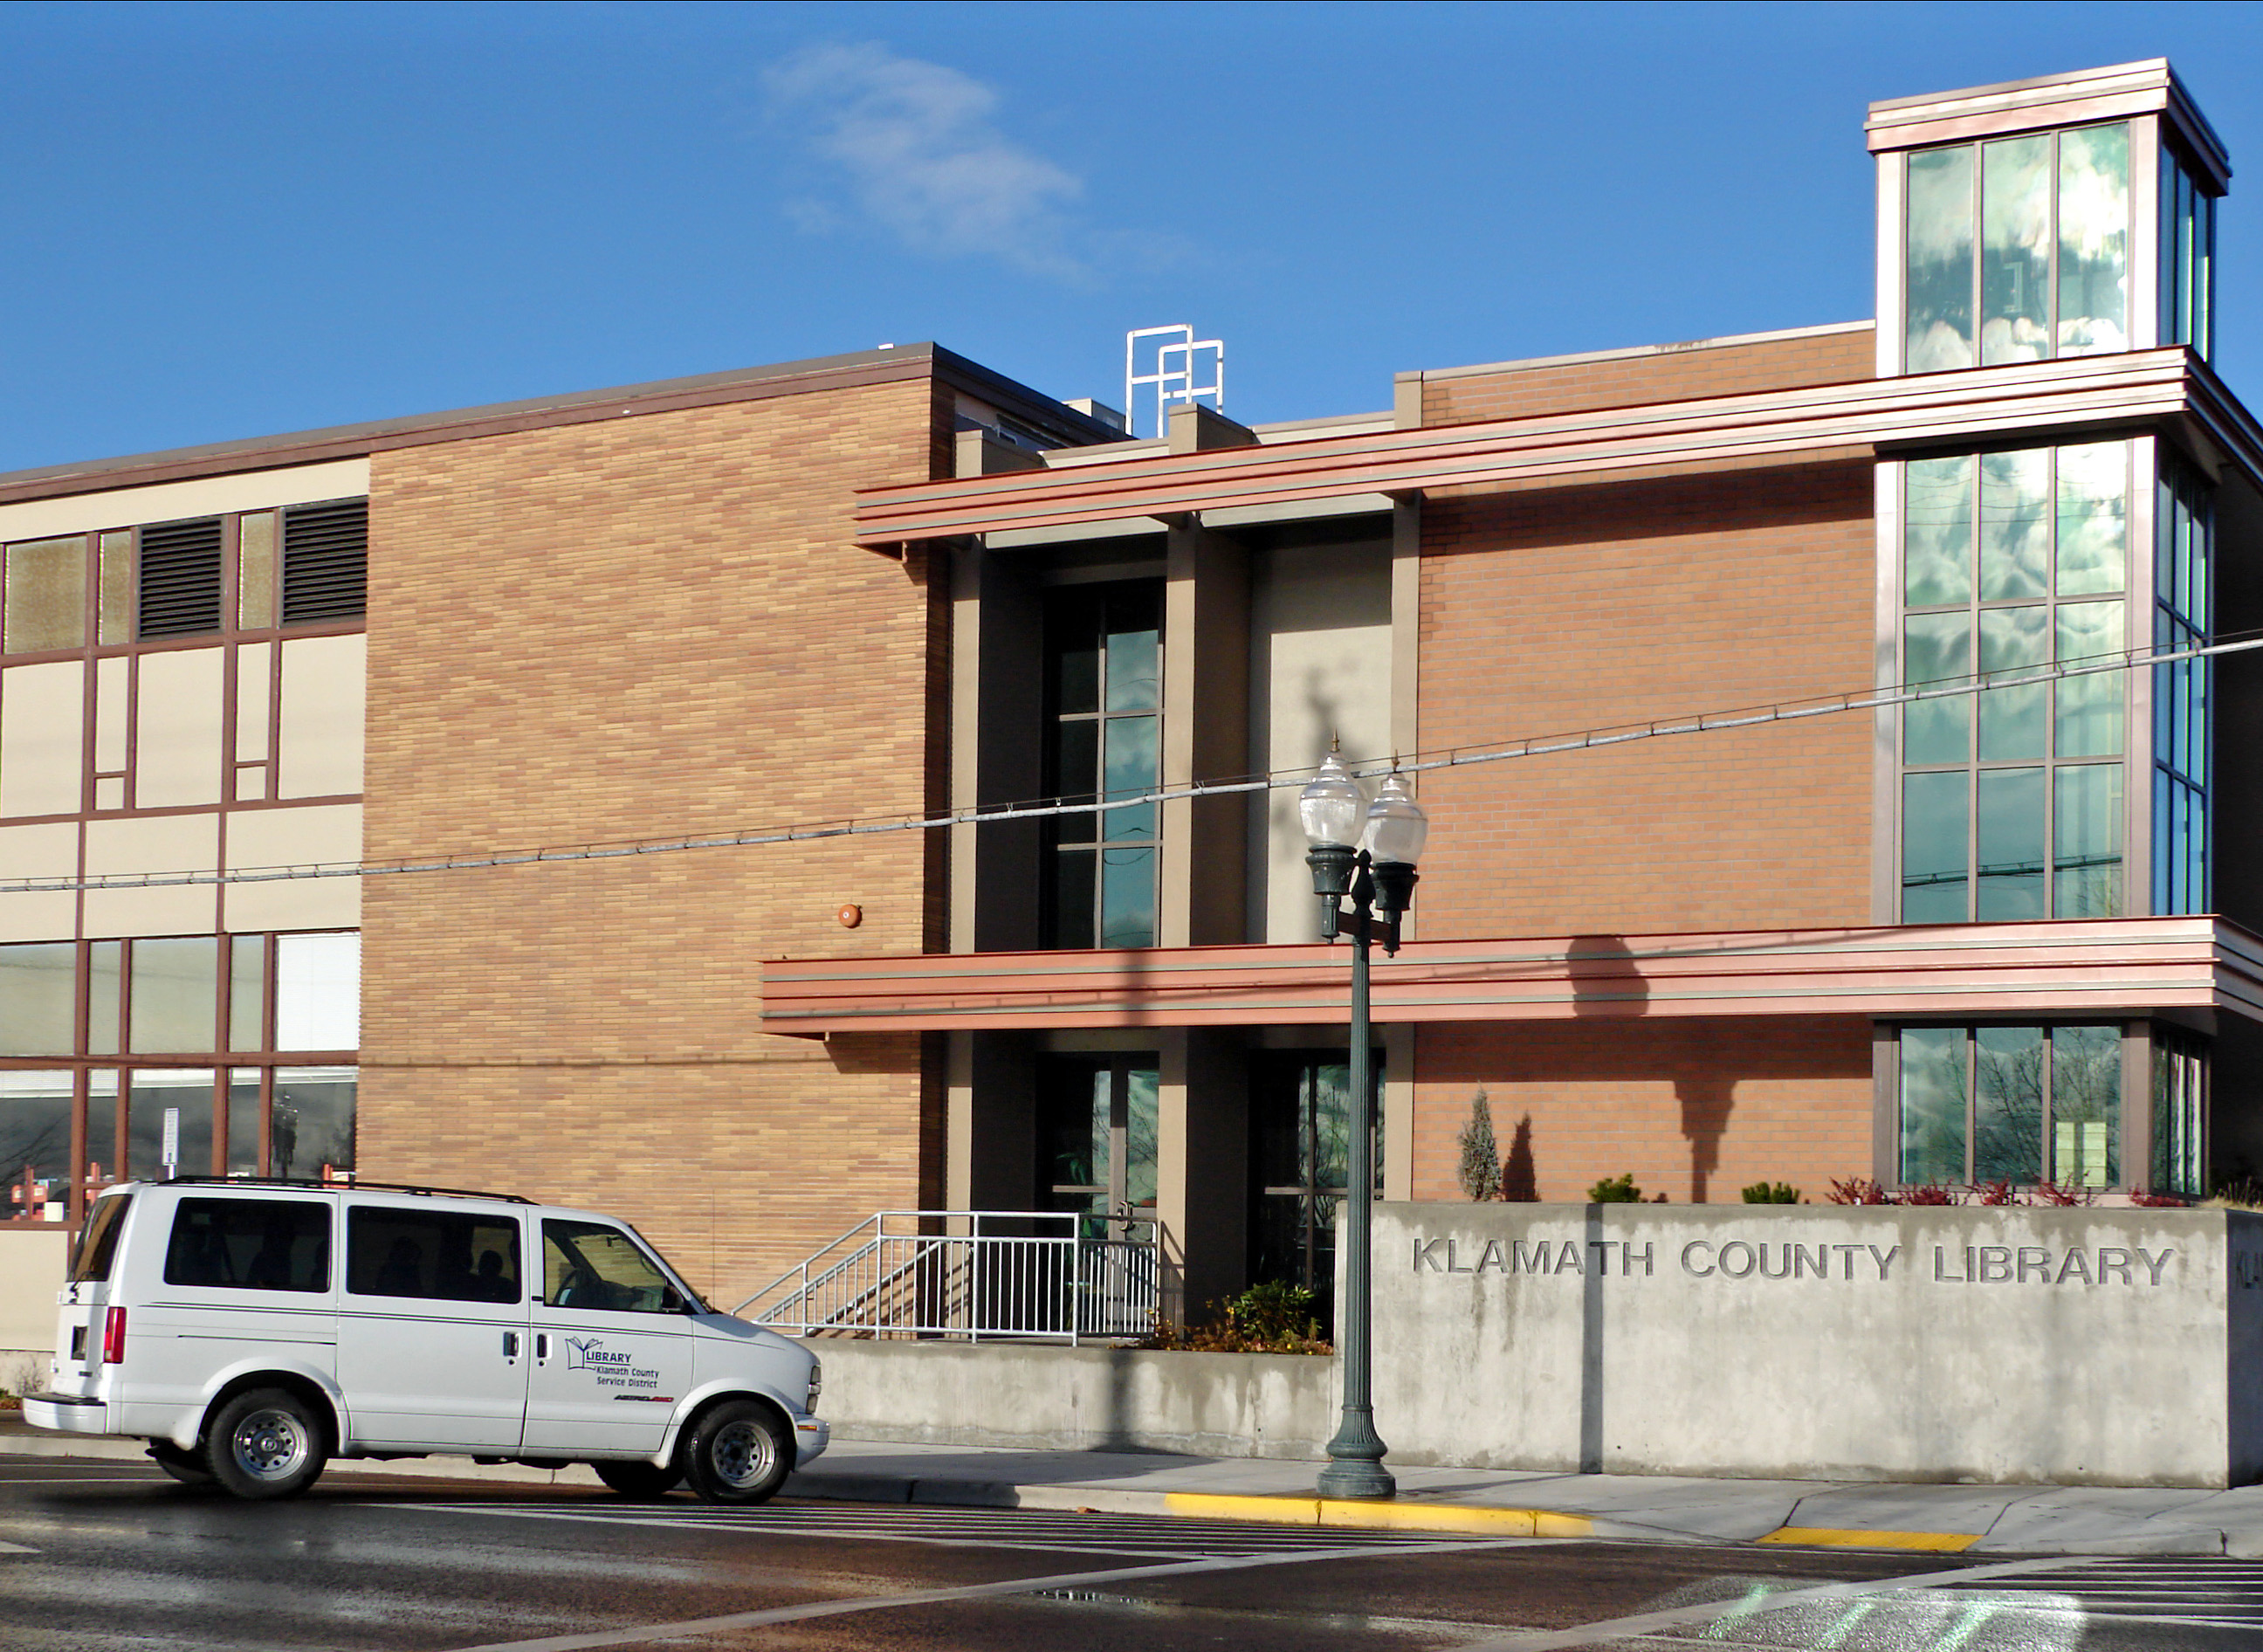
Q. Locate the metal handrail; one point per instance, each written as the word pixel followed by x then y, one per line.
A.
pixel 1062 1282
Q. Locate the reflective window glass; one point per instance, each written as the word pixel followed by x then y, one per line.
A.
pixel 2012 719
pixel 1938 273
pixel 2087 840
pixel 1933 1096
pixel 175 996
pixel 35 1143
pixel 1937 530
pixel 39 993
pixel 2094 240
pixel 598 1269
pixel 2008 1104
pixel 2085 1085
pixel 1934 823
pixel 106 982
pixel 243 1121
pixel 2089 707
pixel 179 1100
pixel 2015 250
pixel 249 1244
pixel 432 1254
pixel 1937 649
pixel 2093 512
pixel 311 1123
pixel 2008 843
pixel 318 992
pixel 2015 523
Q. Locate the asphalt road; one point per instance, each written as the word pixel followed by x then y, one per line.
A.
pixel 96 1555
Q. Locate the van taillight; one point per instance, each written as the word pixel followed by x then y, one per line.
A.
pixel 113 1336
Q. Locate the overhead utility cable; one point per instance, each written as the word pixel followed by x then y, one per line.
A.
pixel 1042 808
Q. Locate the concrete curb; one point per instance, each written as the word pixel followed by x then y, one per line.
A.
pixel 1407 1514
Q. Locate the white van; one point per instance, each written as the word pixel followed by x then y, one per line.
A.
pixel 251 1330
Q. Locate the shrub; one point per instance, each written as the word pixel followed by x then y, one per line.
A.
pixel 2064 1194
pixel 1773 1193
pixel 1860 1190
pixel 1272 1318
pixel 1929 1193
pixel 1480 1169
pixel 2157 1201
pixel 1616 1190
pixel 2243 1193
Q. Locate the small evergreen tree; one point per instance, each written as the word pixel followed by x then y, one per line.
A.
pixel 1480 1153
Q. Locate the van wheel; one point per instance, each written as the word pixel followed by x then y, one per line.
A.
pixel 641 1480
pixel 266 1443
pixel 739 1454
pixel 188 1467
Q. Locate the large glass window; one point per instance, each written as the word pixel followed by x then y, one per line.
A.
pixel 1105 715
pixel 2180 1114
pixel 2183 585
pixel 2014 563
pixel 250 1245
pixel 1300 1164
pixel 438 1256
pixel 2187 283
pixel 35 1144
pixel 2010 1104
pixel 2048 215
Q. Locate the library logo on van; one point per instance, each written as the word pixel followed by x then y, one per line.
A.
pixel 616 1368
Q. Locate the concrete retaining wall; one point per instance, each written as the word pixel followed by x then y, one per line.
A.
pixel 1073 1399
pixel 2118 1346
pixel 32 1257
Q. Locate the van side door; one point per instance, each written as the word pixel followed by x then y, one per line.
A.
pixel 432 1334
pixel 612 1343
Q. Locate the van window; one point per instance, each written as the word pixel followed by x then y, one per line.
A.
pixel 99 1242
pixel 439 1256
pixel 588 1264
pixel 250 1245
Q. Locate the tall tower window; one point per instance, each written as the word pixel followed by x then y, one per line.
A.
pixel 1104 741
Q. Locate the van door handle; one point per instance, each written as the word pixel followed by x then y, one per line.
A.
pixel 542 1347
pixel 511 1346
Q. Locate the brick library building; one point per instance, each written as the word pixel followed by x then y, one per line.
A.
pixel 324 759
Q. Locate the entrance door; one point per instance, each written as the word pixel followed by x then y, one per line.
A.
pixel 1299 1160
pixel 432 1335
pixel 1097 1130
pixel 612 1343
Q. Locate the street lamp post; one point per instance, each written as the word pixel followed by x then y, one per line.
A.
pixel 1367 851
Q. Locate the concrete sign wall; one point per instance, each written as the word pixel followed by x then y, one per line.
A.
pixel 2122 1346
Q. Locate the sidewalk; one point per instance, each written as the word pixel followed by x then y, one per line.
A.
pixel 1853 1514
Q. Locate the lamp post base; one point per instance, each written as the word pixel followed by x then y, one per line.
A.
pixel 1356 1467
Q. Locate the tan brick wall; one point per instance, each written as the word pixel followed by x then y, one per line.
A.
pixel 628 629
pixel 1668 375
pixel 1553 611
pixel 1695 1110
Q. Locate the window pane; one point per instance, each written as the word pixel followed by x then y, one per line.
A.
pixel 35 1139
pixel 2094 240
pixel 175 996
pixel 1075 879
pixel 247 992
pixel 1074 1130
pixel 1134 681
pixel 1938 278
pixel 1076 762
pixel 1933 1104
pixel 46 595
pixel 151 1094
pixel 243 1132
pixel 1937 532
pixel 2015 523
pixel 103 1162
pixel 249 1244
pixel 1134 763
pixel 1141 1125
pixel 2089 709
pixel 2012 719
pixel 2086 841
pixel 1127 897
pixel 2086 1106
pixel 2010 844
pixel 2016 249
pixel 311 1131
pixel 2008 1104
pixel 436 1256
pixel 1076 664
pixel 318 992
pixel 38 999
pixel 1933 824
pixel 106 972
pixel 587 1265
pixel 1937 649
pixel 2094 518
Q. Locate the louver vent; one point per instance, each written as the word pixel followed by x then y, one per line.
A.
pixel 325 561
pixel 180 579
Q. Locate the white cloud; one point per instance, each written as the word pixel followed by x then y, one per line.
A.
pixel 915 149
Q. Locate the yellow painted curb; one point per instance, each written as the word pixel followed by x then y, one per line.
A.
pixel 1822 1536
pixel 1404 1517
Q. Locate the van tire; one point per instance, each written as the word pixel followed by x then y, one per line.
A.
pixel 739 1452
pixel 640 1480
pixel 191 1468
pixel 266 1443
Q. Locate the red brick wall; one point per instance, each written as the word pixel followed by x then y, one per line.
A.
pixel 1554 610
pixel 1667 375
pixel 647 626
pixel 1695 1110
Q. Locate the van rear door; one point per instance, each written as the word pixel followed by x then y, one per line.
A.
pixel 86 1297
pixel 432 1335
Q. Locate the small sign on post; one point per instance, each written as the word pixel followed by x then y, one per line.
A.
pixel 172 1153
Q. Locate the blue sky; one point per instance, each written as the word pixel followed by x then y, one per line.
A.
pixel 237 220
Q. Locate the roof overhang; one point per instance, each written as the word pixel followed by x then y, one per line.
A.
pixel 2122 967
pixel 1820 422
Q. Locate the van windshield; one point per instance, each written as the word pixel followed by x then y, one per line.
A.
pixel 98 1243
